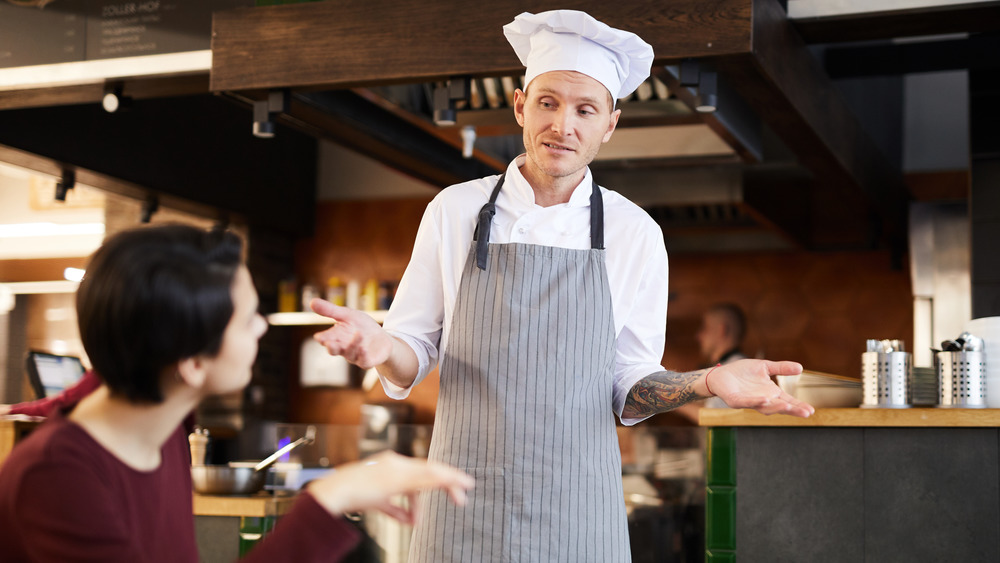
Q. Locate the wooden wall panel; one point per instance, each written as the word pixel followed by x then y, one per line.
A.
pixel 813 308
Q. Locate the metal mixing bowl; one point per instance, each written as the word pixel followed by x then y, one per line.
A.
pixel 227 480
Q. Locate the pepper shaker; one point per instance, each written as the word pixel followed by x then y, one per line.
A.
pixel 198 440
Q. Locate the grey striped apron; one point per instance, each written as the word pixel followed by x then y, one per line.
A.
pixel 525 407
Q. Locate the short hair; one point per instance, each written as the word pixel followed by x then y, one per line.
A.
pixel 733 317
pixel 151 297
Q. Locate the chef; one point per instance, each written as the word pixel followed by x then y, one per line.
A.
pixel 542 297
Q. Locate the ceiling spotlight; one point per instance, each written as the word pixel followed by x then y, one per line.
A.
pixel 689 73
pixel 66 183
pixel 113 99
pixel 264 112
pixel 708 93
pixel 468 140
pixel 149 207
pixel 444 97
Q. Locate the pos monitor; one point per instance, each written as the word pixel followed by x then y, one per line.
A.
pixel 50 374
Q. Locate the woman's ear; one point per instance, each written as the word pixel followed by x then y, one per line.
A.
pixel 192 371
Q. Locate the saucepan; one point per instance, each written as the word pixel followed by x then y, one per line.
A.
pixel 241 477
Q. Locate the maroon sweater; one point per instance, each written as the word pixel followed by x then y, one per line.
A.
pixel 70 396
pixel 63 497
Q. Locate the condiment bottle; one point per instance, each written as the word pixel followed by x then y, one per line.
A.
pixel 369 297
pixel 309 292
pixel 287 296
pixel 198 440
pixel 335 291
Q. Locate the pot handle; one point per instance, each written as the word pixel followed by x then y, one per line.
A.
pixel 307 439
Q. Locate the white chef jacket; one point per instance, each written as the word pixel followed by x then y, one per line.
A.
pixel 636 258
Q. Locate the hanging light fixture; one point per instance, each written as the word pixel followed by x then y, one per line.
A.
pixel 66 183
pixel 445 95
pixel 264 112
pixel 708 93
pixel 114 100
pixel 149 207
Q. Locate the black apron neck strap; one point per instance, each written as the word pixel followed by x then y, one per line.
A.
pixel 482 233
pixel 596 218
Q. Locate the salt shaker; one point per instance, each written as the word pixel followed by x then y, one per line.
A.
pixel 198 440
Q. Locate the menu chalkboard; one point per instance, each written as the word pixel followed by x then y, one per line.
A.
pixel 52 31
pixel 40 34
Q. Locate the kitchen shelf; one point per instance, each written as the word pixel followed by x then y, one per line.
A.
pixel 307 318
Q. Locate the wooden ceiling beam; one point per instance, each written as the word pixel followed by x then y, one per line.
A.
pixel 333 44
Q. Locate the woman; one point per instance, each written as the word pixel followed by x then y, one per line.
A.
pixel 168 316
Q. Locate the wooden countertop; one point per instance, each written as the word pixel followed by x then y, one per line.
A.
pixel 256 505
pixel 853 417
pixel 13 429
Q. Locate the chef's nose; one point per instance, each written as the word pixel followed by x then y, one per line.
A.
pixel 561 121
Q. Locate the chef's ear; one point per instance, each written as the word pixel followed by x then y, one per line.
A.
pixel 192 371
pixel 519 98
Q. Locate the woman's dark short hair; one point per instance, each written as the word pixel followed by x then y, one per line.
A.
pixel 151 297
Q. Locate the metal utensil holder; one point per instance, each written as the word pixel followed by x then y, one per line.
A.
pixel 961 379
pixel 885 379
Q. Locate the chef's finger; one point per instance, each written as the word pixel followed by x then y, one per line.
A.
pixel 783 368
pixel 335 312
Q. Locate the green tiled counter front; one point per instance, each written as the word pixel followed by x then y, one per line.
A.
pixel 720 499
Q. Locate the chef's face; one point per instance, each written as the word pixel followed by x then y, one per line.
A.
pixel 229 370
pixel 566 117
pixel 710 334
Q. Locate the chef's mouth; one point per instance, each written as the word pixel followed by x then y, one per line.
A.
pixel 557 147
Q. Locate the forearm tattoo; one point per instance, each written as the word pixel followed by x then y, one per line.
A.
pixel 660 392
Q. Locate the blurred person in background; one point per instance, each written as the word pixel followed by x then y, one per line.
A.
pixel 720 341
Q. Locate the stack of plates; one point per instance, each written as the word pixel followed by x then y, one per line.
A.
pixel 823 390
pixel 924 387
pixel 988 328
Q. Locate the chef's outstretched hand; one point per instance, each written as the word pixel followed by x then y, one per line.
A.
pixel 355 336
pixel 746 384
pixel 374 483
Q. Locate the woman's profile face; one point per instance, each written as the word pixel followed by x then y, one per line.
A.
pixel 229 370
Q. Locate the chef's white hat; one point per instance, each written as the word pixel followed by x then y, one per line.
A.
pixel 573 40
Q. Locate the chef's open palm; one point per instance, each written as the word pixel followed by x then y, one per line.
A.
pixel 747 384
pixel 355 336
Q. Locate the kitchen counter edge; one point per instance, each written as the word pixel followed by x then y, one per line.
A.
pixel 856 417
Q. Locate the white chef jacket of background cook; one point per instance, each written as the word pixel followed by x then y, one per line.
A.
pixel 636 258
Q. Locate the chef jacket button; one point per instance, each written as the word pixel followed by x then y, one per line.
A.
pixel 522 230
